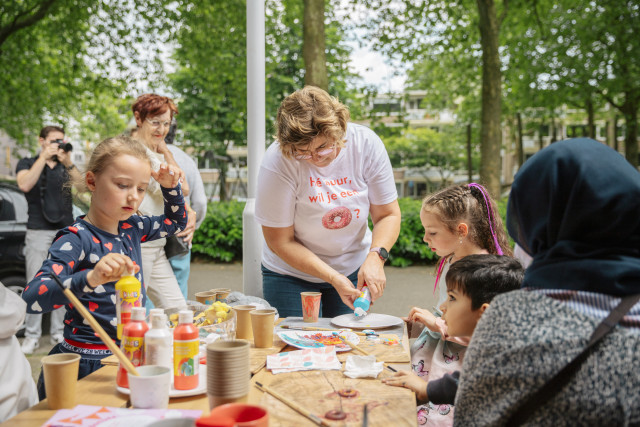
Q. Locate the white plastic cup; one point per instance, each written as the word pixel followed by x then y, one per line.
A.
pixel 150 390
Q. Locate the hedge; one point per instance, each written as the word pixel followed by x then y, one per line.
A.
pixel 219 238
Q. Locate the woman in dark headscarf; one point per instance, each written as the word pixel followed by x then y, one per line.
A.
pixel 575 208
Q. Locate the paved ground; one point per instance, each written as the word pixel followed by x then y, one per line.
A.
pixel 406 287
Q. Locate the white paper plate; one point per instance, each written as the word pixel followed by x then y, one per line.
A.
pixel 201 389
pixel 370 321
pixel 302 339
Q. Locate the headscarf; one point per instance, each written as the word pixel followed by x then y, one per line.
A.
pixel 575 208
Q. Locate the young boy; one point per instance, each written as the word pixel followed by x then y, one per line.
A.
pixel 472 282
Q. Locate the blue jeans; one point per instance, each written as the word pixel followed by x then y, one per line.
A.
pixel 88 364
pixel 283 292
pixel 181 266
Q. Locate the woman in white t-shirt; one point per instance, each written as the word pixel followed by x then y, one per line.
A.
pixel 317 185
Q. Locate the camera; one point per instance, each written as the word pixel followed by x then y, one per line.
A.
pixel 66 146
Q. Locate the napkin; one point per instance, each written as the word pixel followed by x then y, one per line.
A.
pixel 319 358
pixel 362 367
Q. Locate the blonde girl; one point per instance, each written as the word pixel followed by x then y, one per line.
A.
pixel 90 255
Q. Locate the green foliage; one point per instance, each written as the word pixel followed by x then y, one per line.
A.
pixel 410 248
pixel 73 61
pixel 220 234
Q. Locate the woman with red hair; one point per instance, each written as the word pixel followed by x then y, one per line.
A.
pixel 153 114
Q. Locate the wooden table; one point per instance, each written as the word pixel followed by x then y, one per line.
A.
pixel 315 390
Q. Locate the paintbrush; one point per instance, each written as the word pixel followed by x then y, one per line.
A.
pixel 309 328
pixel 106 339
pixel 365 416
pixel 366 353
pixel 299 409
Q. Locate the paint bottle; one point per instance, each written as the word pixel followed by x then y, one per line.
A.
pixel 158 342
pixel 363 302
pixel 186 349
pixel 132 343
pixel 128 296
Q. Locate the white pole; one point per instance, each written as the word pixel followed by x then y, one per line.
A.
pixel 252 239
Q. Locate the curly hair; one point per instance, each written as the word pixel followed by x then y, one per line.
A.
pixel 306 114
pixel 467 203
pixel 153 105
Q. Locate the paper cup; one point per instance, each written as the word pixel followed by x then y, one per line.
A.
pixel 60 379
pixel 243 326
pixel 206 297
pixel 228 372
pixel 150 390
pixel 221 293
pixel 262 326
pixel 310 306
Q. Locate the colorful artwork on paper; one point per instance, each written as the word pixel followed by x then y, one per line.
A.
pixel 104 416
pixel 316 339
pixel 320 358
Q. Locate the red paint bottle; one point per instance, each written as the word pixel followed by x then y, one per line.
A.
pixel 186 353
pixel 132 343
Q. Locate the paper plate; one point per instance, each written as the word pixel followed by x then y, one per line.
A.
pixel 201 389
pixel 313 339
pixel 370 321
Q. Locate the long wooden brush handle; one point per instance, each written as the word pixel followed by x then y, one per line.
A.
pixel 316 419
pixel 106 339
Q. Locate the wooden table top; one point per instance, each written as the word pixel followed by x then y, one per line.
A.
pixel 315 390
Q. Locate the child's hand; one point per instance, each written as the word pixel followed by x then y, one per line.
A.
pixel 425 317
pixel 168 176
pixel 411 381
pixel 111 267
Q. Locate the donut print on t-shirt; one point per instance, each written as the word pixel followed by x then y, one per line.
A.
pixel 336 218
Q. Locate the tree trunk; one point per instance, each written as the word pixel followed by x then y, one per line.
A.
pixel 491 137
pixel 591 126
pixel 630 111
pixel 313 49
pixel 554 130
pixel 540 138
pixel 519 143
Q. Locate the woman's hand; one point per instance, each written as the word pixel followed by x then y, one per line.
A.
pixel 372 273
pixel 168 176
pixel 187 233
pixel 411 381
pixel 111 267
pixel 425 317
pixel 347 292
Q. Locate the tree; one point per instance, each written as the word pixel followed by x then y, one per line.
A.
pixel 313 50
pixel 62 60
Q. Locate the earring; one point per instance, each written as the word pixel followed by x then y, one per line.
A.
pixel 460 240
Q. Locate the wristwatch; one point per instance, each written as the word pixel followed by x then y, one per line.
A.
pixel 382 253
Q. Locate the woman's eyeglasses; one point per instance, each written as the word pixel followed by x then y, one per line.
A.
pixel 316 153
pixel 157 123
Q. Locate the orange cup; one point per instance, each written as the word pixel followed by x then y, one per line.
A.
pixel 236 414
pixel 310 306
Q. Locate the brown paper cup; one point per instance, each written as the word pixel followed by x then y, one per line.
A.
pixel 243 325
pixel 60 379
pixel 262 326
pixel 310 306
pixel 206 297
pixel 228 371
pixel 221 293
pixel 215 401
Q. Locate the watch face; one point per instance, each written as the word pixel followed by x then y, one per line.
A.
pixel 384 254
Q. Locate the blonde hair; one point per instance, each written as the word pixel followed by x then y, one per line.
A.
pixel 105 153
pixel 467 203
pixel 308 113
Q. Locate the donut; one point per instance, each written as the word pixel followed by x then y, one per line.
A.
pixel 336 218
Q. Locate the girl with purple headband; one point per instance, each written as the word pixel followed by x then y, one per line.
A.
pixel 458 221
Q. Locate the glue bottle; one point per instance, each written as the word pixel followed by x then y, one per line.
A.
pixel 363 302
pixel 158 342
pixel 128 292
pixel 132 343
pixel 186 352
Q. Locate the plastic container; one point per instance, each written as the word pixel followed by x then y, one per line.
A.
pixel 158 342
pixel 363 302
pixel 132 343
pixel 186 349
pixel 128 296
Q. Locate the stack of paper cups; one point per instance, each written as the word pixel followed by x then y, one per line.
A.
pixel 228 372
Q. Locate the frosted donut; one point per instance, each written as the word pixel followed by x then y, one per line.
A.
pixel 336 218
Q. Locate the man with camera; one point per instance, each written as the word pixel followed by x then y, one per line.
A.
pixel 44 180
